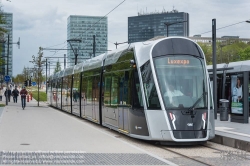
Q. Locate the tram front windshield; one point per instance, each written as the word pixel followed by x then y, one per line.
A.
pixel 182 81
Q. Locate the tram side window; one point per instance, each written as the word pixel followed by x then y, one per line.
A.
pixel 107 86
pixel 136 91
pixel 89 90
pixel 84 88
pixel 151 95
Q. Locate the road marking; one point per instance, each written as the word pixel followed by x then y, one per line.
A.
pixel 225 129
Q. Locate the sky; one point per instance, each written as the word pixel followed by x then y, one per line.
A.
pixel 43 23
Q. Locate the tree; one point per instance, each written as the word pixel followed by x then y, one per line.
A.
pixel 38 62
pixel 227 53
pixel 207 51
pixel 58 67
pixel 245 54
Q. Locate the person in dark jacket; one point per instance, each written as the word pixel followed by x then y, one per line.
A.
pixel 7 91
pixel 23 94
pixel 15 94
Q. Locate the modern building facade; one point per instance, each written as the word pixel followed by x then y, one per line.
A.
pixel 8 26
pixel 83 28
pixel 147 26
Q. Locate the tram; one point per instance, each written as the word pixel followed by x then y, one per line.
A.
pixel 154 90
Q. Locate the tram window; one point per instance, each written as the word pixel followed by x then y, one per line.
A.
pixel 84 88
pixel 89 90
pixel 136 91
pixel 107 86
pixel 151 95
pixel 181 81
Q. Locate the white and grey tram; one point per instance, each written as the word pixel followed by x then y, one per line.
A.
pixel 154 90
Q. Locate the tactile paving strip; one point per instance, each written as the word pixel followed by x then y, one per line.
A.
pixel 76 158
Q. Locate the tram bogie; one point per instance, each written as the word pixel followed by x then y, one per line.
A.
pixel 154 90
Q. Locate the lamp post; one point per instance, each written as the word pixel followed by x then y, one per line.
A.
pixel 172 23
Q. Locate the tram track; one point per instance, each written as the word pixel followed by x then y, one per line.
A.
pixel 225 155
pixel 221 151
pixel 183 155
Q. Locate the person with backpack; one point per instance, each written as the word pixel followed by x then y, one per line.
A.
pixel 15 94
pixel 23 94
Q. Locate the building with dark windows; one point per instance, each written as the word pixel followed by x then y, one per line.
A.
pixel 83 28
pixel 147 26
pixel 8 26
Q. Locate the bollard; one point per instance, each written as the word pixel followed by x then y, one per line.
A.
pixel 28 98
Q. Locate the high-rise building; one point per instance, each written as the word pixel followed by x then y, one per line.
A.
pixel 147 26
pixel 84 28
pixel 8 26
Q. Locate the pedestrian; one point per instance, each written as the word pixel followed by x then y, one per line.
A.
pixel 7 92
pixel 23 94
pixel 15 94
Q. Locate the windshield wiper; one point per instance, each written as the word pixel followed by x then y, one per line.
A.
pixel 199 99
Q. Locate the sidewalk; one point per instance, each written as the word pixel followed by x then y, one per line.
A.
pixel 45 136
pixel 236 135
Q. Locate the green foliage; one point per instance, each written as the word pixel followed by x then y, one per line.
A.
pixel 19 78
pixel 42 95
pixel 58 67
pixel 238 51
pixel 245 54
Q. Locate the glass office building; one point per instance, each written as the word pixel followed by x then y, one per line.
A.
pixel 146 26
pixel 8 26
pixel 83 28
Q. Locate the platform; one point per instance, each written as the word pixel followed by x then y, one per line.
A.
pixel 236 135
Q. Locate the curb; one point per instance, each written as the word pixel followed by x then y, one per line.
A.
pixel 231 142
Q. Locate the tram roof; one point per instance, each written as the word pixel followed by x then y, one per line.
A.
pixel 239 66
pixel 219 67
pixel 236 67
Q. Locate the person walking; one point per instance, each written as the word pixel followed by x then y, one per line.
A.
pixel 7 92
pixel 15 94
pixel 23 94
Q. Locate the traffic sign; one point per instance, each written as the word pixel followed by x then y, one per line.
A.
pixel 33 83
pixel 7 78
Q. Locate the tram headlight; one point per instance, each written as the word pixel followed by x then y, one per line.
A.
pixel 173 119
pixel 204 116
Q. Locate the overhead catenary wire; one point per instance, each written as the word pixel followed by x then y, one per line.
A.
pixel 103 17
pixel 223 27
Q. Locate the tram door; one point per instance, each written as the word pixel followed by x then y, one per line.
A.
pixel 124 101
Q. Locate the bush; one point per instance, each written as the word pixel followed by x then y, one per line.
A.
pixel 42 95
pixel 2 105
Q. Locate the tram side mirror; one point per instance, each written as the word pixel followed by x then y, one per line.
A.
pixel 132 62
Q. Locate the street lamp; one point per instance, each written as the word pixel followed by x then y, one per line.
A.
pixel 172 23
pixel 75 52
pixel 119 43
